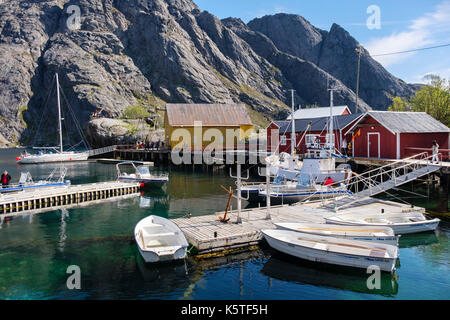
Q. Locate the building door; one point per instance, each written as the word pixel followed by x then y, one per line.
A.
pixel 373 145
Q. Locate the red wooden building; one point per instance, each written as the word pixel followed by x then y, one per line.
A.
pixel 396 135
pixel 308 132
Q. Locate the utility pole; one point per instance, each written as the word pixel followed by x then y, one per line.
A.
pixel 293 137
pixel 359 51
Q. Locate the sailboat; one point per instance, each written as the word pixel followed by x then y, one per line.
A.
pixel 319 162
pixel 60 155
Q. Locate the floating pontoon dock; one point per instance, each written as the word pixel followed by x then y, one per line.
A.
pixel 208 235
pixel 54 197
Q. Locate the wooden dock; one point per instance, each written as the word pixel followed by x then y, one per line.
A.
pixel 22 201
pixel 211 237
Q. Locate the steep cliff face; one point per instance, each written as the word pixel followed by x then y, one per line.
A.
pixel 334 52
pixel 146 52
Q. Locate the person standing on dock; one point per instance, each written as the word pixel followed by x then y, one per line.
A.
pixel 6 178
pixel 435 152
pixel 344 147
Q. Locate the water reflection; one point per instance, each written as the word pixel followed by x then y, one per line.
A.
pixel 418 239
pixel 289 269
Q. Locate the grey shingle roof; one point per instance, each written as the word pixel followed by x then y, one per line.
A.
pixel 408 122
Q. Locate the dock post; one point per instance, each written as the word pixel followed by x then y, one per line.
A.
pixel 268 216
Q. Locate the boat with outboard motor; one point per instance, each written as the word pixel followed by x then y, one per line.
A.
pixel 142 175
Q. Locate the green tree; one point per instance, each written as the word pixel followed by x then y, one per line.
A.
pixel 433 98
pixel 400 104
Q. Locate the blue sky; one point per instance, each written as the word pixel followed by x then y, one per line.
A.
pixel 405 25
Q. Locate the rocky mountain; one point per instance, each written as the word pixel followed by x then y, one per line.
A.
pixel 118 54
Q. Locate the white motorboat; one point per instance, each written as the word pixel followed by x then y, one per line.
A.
pixel 332 250
pixel 142 175
pixel 360 233
pixel 160 240
pixel 401 223
pixel 54 154
pixel 26 182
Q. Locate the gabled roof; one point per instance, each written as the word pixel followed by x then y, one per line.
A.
pixel 405 122
pixel 319 112
pixel 318 124
pixel 209 114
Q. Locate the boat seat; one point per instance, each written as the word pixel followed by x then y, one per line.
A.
pixel 168 234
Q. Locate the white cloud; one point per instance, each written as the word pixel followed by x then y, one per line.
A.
pixel 423 31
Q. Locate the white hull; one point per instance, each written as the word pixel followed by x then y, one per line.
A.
pixel 56 157
pixel 295 248
pixel 399 228
pixel 363 233
pixel 160 240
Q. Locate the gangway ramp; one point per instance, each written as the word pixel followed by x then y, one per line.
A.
pixel 385 178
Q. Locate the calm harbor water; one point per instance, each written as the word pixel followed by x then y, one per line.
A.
pixel 36 250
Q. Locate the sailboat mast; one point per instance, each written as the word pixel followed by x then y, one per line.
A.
pixel 330 136
pixel 59 115
pixel 293 137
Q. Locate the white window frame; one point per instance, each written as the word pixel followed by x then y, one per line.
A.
pixel 283 140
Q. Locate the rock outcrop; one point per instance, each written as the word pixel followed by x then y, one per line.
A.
pixel 335 53
pixel 125 53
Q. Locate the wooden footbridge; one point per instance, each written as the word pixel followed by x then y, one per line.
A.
pixel 22 201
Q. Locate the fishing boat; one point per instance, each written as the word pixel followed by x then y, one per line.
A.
pixel 400 223
pixel 53 154
pixel 160 240
pixel 141 175
pixel 305 188
pixel 332 250
pixel 26 182
pixel 360 233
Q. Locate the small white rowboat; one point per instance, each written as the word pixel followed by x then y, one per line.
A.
pixel 359 233
pixel 400 223
pixel 160 240
pixel 331 250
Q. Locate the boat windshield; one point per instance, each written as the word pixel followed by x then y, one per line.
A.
pixel 143 170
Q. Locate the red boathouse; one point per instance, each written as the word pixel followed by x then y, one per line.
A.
pixel 397 135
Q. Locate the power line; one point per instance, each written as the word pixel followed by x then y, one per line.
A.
pixel 413 50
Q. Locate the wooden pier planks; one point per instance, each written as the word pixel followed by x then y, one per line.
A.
pixel 208 235
pixel 57 196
